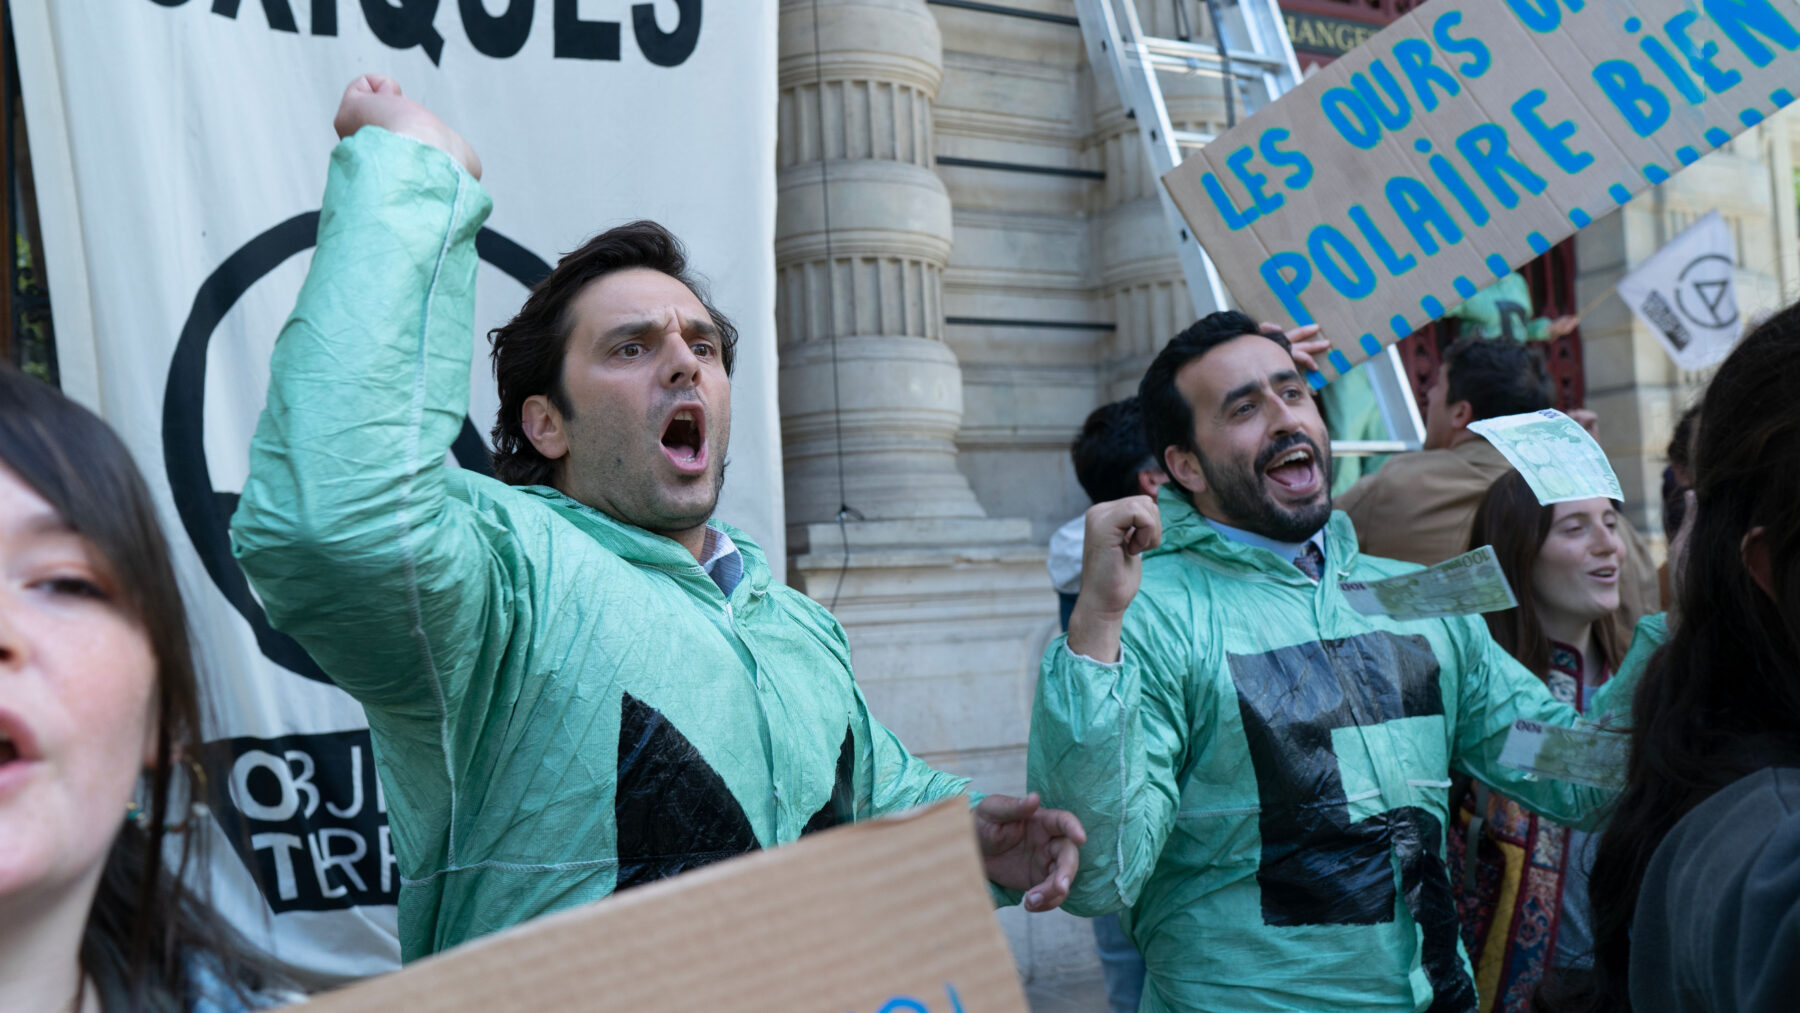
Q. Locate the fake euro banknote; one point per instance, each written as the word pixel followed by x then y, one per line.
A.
pixel 1585 754
pixel 1464 586
pixel 1558 458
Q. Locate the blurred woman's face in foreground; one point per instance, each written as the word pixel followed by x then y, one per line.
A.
pixel 77 677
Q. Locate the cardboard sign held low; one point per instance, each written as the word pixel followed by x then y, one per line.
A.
pixel 1467 138
pixel 891 915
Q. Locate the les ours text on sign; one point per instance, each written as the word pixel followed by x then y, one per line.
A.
pixel 1466 138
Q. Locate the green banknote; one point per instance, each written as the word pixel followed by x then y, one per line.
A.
pixel 1584 754
pixel 1558 458
pixel 1464 586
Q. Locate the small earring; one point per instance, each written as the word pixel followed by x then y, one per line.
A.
pixel 196 790
pixel 136 815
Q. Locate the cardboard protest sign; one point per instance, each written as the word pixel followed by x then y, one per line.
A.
pixel 1467 138
pixel 891 915
pixel 1686 293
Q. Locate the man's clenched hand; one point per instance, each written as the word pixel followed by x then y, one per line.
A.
pixel 1118 534
pixel 373 100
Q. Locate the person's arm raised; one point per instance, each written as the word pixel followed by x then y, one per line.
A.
pixel 1110 720
pixel 1118 534
pixel 348 528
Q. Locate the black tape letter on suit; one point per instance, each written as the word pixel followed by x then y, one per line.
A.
pixel 841 806
pixel 673 810
pixel 1318 867
pixel 1515 321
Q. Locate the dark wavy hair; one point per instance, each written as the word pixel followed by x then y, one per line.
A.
pixel 1168 418
pixel 1497 376
pixel 1110 451
pixel 528 351
pixel 146 927
pixel 1722 698
pixel 1677 477
pixel 1511 519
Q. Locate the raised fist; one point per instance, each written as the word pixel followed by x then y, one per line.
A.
pixel 373 100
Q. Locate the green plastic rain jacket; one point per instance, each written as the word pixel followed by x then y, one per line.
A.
pixel 1264 777
pixel 561 705
pixel 1651 634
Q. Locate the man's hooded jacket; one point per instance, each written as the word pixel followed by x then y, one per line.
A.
pixel 1264 776
pixel 561 704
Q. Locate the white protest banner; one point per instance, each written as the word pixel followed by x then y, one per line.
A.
pixel 1686 293
pixel 1467 138
pixel 180 149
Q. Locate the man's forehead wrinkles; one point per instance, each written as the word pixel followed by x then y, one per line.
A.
pixel 644 324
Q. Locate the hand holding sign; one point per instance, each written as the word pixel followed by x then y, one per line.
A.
pixel 1306 344
pixel 376 101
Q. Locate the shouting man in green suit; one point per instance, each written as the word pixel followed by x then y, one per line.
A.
pixel 1264 771
pixel 576 680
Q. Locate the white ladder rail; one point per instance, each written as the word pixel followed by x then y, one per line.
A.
pixel 1258 53
pixel 1143 100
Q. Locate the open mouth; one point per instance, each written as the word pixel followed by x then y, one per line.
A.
pixel 1296 471
pixel 684 439
pixel 1605 574
pixel 17 747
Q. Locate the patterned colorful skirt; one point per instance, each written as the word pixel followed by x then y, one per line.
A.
pixel 1508 898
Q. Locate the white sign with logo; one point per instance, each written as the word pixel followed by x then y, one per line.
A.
pixel 180 149
pixel 1686 294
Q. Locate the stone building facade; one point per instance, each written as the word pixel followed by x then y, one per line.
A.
pixel 970 259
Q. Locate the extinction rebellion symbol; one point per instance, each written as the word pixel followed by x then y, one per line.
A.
pixel 1703 293
pixel 205 512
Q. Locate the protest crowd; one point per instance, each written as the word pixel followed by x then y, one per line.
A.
pixel 1448 740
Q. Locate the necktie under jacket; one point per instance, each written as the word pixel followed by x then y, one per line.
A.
pixel 1311 561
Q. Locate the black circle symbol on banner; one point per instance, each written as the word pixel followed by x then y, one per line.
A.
pixel 205 512
pixel 1704 293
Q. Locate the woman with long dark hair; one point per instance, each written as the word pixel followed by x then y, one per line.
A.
pixel 1519 879
pixel 99 725
pixel 1696 885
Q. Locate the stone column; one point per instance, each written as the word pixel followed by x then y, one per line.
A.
pixel 862 237
pixel 947 610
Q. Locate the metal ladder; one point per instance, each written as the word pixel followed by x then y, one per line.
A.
pixel 1250 46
